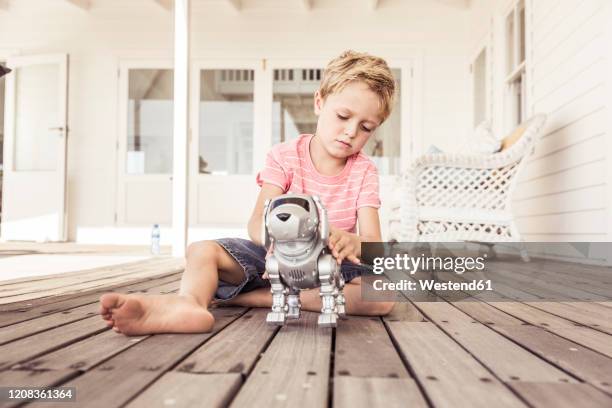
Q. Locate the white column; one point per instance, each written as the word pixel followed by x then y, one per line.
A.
pixel 608 100
pixel 181 127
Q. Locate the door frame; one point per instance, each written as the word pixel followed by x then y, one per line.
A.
pixel 9 129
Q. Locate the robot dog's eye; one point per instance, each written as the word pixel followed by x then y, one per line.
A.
pixel 283 216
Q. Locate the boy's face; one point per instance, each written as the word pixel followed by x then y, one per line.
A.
pixel 347 119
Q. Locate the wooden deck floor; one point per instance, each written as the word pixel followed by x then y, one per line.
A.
pixel 442 354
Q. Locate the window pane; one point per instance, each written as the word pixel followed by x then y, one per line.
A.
pixel 36 113
pixel 226 121
pixel 480 85
pixel 384 146
pixel 293 103
pixel 150 121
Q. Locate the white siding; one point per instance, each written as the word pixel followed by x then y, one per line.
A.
pixel 565 189
pixel 562 194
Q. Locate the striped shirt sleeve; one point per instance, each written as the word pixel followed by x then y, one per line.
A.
pixel 274 172
pixel 369 192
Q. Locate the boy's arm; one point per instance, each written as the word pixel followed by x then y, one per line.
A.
pixel 369 224
pixel 346 245
pixel 268 191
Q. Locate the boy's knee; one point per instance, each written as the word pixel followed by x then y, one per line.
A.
pixel 202 249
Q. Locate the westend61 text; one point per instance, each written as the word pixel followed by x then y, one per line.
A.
pixel 429 285
pixel 406 262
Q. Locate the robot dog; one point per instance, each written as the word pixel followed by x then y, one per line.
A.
pixel 296 227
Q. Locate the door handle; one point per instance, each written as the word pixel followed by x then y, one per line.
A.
pixel 59 128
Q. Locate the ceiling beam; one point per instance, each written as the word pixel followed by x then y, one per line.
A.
pixel 82 4
pixel 166 4
pixel 236 4
pixel 308 4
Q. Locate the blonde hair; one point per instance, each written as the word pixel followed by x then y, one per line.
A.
pixel 351 66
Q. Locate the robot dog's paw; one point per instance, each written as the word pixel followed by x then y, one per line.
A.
pixel 328 320
pixel 341 311
pixel 293 313
pixel 276 318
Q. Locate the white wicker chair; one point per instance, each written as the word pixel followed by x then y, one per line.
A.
pixel 460 197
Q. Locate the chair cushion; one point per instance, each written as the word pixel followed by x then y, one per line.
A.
pixel 512 138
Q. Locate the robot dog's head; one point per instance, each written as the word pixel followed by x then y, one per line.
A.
pixel 292 218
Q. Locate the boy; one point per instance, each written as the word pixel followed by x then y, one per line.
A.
pixel 355 97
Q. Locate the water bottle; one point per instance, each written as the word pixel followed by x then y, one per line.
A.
pixel 155 232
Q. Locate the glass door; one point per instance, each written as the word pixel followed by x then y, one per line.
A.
pixel 35 142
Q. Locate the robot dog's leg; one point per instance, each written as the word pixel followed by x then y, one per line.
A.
pixel 339 292
pixel 278 314
pixel 328 316
pixel 293 303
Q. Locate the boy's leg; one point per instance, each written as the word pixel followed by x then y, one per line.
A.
pixel 311 300
pixel 186 312
pixel 207 262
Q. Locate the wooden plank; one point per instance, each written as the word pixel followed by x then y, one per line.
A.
pixel 568 287
pixel 34 346
pixel 507 360
pixel 189 390
pixel 53 320
pixel 578 313
pixel 84 354
pixel 73 288
pixel 585 336
pixel 228 352
pixel 129 372
pixel 450 376
pixel 78 274
pixel 578 360
pixel 541 282
pixel 27 310
pixel 544 395
pixel 364 349
pixel 355 392
pixel 26 305
pixel 294 370
pixel 33 378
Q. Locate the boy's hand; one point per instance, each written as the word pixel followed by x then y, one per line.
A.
pixel 344 245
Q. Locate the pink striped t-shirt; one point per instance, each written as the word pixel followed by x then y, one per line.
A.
pixel 289 166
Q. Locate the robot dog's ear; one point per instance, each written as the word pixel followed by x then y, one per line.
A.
pixel 323 220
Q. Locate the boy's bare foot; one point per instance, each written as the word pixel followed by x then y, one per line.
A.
pixel 146 314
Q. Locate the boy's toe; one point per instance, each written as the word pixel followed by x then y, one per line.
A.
pixel 111 301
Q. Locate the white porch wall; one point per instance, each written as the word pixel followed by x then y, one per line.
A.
pixel 565 192
pixel 115 30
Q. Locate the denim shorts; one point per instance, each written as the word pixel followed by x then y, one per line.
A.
pixel 251 258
